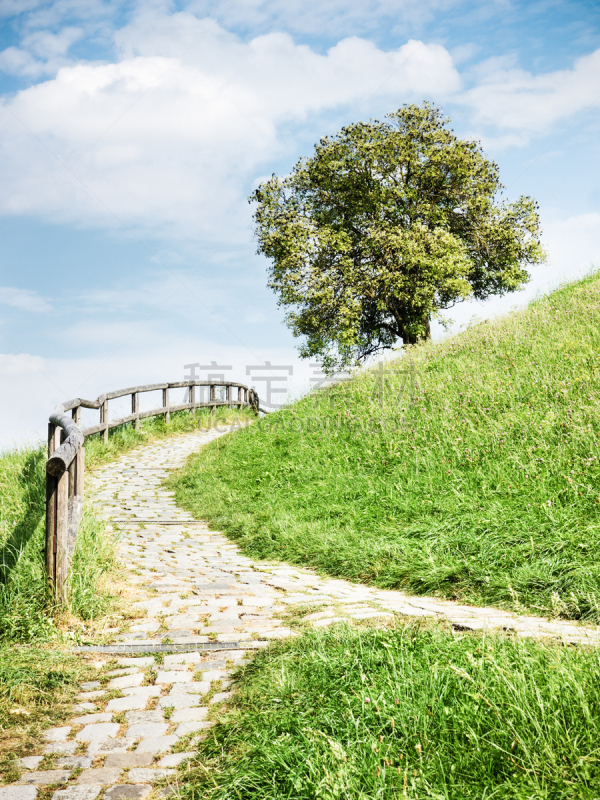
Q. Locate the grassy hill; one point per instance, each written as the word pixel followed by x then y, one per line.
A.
pixel 467 469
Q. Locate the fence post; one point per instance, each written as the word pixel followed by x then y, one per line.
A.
pixel 104 418
pixel 135 408
pixel 165 396
pixel 57 521
pixel 51 486
pixel 213 398
pixel 192 398
pixel 228 395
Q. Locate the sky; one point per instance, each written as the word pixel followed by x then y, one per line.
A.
pixel 132 133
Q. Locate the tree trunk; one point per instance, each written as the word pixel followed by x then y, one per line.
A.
pixel 411 337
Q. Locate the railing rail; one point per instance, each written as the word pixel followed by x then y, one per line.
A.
pixel 65 467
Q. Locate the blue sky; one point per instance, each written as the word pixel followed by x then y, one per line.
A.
pixel 132 133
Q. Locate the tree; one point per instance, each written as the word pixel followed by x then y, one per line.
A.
pixel 385 226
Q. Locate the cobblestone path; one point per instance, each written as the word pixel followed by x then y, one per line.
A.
pixel 191 587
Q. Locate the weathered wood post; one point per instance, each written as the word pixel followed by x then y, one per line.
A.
pixel 192 397
pixel 228 396
pixel 64 496
pixel 165 402
pixel 104 417
pixel 213 399
pixel 51 507
pixel 135 408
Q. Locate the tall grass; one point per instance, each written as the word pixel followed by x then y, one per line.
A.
pixel 410 712
pixel 468 469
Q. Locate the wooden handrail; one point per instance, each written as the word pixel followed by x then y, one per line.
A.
pixel 66 457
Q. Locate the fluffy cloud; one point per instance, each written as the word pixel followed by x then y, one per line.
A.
pixel 170 136
pixel 513 99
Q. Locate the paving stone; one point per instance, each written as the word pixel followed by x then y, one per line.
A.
pixel 29 762
pixel 128 760
pixel 186 728
pixel 159 744
pixel 133 717
pixel 146 730
pixel 215 674
pixel 174 759
pixel 321 623
pixel 103 730
pixel 46 777
pixel 77 793
pixel 173 676
pixel 91 695
pixel 132 703
pixel 144 661
pixel 98 748
pixel 64 748
pixel 101 776
pixel 88 686
pixel 142 691
pixel 18 792
pixel 127 681
pixel 56 734
pixel 220 697
pixel 181 658
pixel 189 714
pixel 75 762
pixel 123 671
pixel 128 791
pixel 195 687
pixel 179 701
pixel 149 775
pixel 90 718
pixel 84 707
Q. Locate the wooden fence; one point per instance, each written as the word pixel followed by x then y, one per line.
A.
pixel 65 467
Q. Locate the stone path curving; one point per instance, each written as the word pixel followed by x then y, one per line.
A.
pixel 193 589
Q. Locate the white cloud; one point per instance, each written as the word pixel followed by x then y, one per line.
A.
pixel 23 299
pixel 511 98
pixel 41 53
pixel 161 142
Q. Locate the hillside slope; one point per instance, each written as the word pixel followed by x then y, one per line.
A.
pixel 468 469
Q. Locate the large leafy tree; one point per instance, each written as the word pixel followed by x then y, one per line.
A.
pixel 385 226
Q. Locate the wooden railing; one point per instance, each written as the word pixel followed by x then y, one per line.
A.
pixel 65 467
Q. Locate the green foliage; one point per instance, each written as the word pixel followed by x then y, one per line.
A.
pixel 469 469
pixel 384 226
pixel 407 713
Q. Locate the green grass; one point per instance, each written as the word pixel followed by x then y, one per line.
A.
pixel 469 469
pixel 411 712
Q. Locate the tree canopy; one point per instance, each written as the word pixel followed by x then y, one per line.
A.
pixel 385 226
